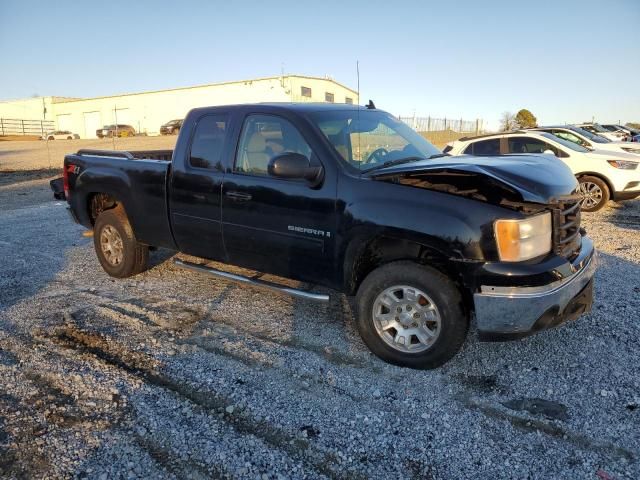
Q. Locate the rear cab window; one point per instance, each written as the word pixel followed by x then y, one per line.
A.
pixel 208 142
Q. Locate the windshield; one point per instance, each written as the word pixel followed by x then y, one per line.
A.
pixel 599 128
pixel 366 139
pixel 591 136
pixel 566 143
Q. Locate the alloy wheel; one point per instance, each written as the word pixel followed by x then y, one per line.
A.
pixel 406 319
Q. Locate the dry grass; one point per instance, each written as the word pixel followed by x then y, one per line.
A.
pixel 29 155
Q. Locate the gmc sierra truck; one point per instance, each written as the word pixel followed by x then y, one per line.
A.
pixel 350 198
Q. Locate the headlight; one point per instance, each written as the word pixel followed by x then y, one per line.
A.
pixel 520 240
pixel 623 164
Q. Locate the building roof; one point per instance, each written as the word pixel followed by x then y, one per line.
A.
pixel 327 79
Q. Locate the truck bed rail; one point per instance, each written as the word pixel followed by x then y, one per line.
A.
pixel 131 155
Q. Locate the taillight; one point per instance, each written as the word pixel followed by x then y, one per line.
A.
pixel 65 179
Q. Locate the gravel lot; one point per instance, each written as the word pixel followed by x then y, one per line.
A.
pixel 171 374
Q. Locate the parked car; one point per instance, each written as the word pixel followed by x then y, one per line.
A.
pixel 351 199
pixel 60 135
pixel 600 130
pixel 602 175
pixel 622 133
pixel 629 131
pixel 171 128
pixel 116 131
pixel 588 139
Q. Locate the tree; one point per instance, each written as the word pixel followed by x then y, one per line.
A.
pixel 507 122
pixel 525 119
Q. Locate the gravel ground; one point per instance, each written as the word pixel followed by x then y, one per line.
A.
pixel 170 374
pixel 34 155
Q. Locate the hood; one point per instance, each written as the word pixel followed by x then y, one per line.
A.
pixel 529 178
pixel 613 155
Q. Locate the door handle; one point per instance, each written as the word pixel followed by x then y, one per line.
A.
pixel 238 196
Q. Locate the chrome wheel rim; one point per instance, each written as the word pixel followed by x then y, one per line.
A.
pixel 111 245
pixel 591 194
pixel 406 319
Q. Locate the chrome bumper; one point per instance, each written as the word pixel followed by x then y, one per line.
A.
pixel 504 313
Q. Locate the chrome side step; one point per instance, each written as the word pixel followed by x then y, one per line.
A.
pixel 293 292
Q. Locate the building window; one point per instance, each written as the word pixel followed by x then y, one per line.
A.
pixel 305 92
pixel 328 97
pixel 348 100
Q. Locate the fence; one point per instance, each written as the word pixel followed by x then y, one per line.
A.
pixel 13 126
pixel 439 131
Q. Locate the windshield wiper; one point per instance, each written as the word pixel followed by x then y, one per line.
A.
pixel 399 161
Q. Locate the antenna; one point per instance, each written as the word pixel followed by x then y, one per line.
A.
pixel 358 111
pixel 358 76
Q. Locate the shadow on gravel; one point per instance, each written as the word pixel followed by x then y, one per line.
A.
pixel 29 262
pixel 11 177
pixel 624 214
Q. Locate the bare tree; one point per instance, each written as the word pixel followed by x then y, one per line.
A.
pixel 508 122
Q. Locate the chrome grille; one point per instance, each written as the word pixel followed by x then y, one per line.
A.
pixel 566 227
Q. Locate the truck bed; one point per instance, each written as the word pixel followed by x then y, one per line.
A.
pixel 139 180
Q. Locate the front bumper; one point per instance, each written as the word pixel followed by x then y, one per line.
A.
pixel 507 313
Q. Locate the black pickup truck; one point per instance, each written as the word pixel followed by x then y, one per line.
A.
pixel 352 199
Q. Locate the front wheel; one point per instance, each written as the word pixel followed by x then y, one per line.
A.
pixel 116 246
pixel 595 193
pixel 411 315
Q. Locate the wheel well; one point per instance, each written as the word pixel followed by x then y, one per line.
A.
pixel 99 202
pixel 364 257
pixel 600 176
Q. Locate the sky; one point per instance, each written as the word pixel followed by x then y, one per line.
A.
pixel 565 61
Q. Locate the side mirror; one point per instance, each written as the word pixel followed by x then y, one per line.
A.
pixel 295 166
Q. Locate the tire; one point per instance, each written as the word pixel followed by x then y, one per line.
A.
pixel 175 131
pixel 51 138
pixel 595 192
pixel 118 251
pixel 69 138
pixel 447 322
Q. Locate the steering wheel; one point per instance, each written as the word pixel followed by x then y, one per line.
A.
pixel 377 156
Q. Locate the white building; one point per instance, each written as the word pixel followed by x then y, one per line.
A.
pixel 146 111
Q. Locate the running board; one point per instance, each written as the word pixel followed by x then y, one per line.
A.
pixel 293 292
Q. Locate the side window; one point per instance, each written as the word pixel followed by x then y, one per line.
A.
pixel 526 145
pixel 571 137
pixel 263 137
pixel 484 147
pixel 208 142
pixel 531 145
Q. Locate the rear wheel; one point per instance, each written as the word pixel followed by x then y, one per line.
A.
pixel 411 315
pixel 69 138
pixel 51 138
pixel 117 249
pixel 595 193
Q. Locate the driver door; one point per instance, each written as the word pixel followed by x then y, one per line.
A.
pixel 275 225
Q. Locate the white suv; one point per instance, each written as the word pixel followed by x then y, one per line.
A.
pixel 590 140
pixel 603 132
pixel 602 175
